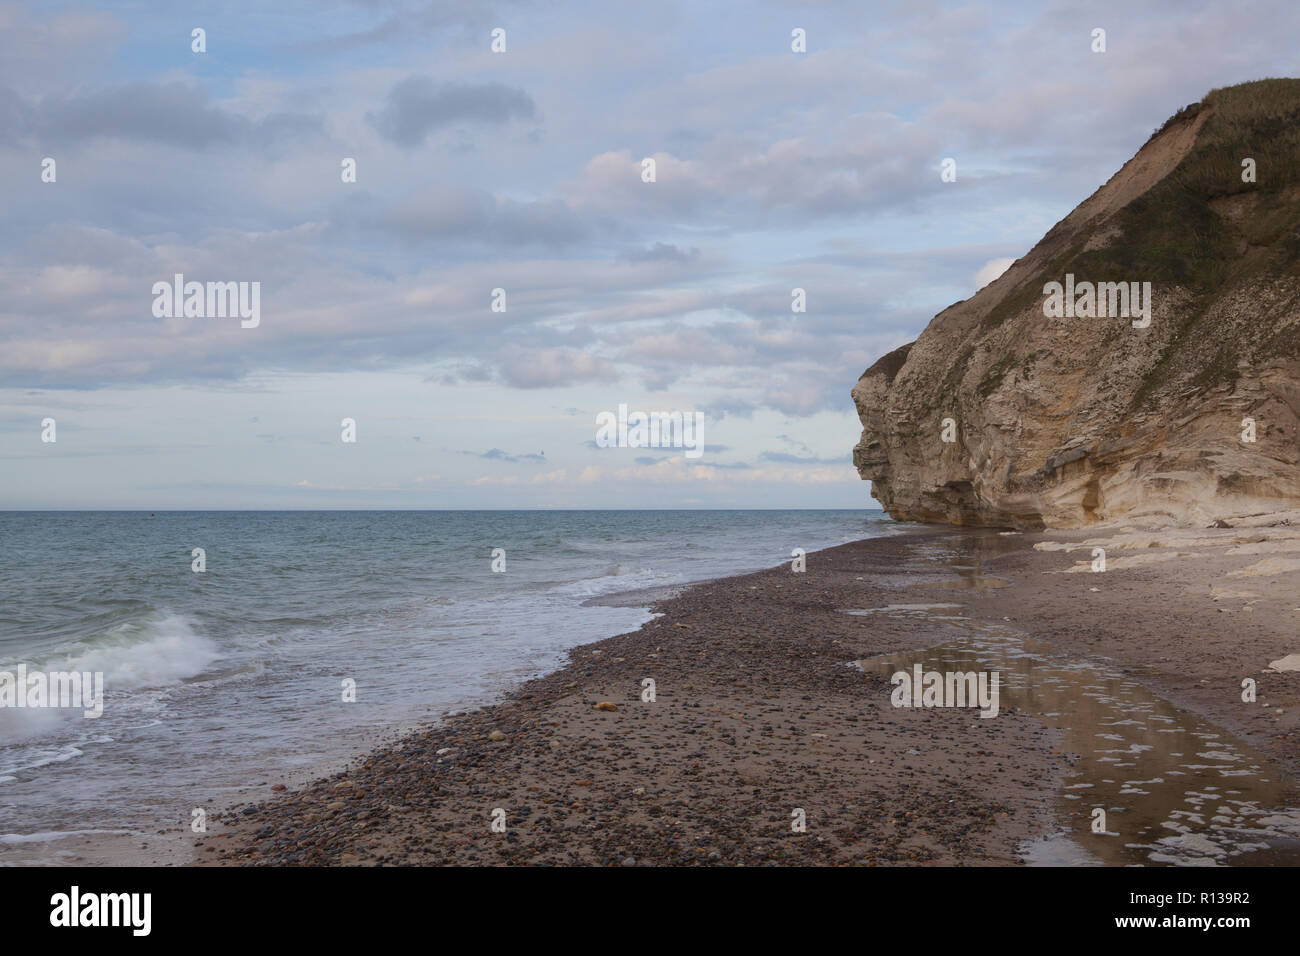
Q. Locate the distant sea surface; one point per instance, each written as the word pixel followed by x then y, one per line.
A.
pixel 234 676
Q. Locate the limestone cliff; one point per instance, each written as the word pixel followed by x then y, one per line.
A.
pixel 1063 422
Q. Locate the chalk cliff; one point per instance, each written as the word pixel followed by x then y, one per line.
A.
pixel 1064 422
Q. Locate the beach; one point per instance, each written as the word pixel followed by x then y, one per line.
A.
pixel 771 738
pixel 212 680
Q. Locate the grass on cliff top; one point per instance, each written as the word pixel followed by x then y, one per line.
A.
pixel 1172 235
pixel 1260 120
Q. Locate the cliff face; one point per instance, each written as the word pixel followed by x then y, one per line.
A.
pixel 1065 421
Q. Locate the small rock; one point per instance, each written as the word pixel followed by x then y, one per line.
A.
pixel 1289 663
pixel 496 735
pixel 606 705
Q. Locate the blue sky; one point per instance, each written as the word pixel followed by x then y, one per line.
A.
pixel 521 170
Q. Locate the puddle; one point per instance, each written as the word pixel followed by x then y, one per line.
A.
pixel 1175 789
pixel 965 554
pixel 912 610
pixel 968 581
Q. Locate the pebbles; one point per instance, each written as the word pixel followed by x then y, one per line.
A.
pixel 756 715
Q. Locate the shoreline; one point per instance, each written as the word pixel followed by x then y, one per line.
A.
pixel 552 732
pixel 757 714
pixel 165 838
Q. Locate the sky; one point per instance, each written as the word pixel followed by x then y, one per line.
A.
pixel 522 170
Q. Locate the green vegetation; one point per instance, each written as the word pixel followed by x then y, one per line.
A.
pixel 1202 228
pixel 1174 235
pixel 1260 120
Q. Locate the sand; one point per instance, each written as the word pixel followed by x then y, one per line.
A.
pixel 760 721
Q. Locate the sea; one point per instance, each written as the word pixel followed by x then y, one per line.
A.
pixel 306 637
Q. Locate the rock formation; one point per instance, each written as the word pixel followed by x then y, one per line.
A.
pixel 1062 422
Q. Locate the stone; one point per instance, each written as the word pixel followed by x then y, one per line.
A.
pixel 1289 663
pixel 1064 422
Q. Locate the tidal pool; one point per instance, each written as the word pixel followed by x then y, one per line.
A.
pixel 1175 789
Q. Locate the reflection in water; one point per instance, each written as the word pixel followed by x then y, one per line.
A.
pixel 970 580
pixel 965 554
pixel 1175 789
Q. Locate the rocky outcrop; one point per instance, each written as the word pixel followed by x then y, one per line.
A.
pixel 1000 415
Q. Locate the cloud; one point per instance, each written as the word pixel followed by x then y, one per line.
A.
pixel 870 163
pixel 559 476
pixel 411 22
pixel 173 114
pixel 496 454
pixel 774 171
pixel 669 451
pixel 788 459
pixel 63 49
pixel 795 443
pixel 991 270
pixel 721 408
pixel 418 105
pixel 552 368
pixel 440 211
pixel 681 470
pixel 662 251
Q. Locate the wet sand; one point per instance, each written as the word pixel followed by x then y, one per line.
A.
pixel 760 712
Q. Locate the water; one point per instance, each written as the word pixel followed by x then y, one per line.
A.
pixel 234 676
pixel 1175 789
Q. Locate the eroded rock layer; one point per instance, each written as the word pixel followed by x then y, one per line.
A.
pixel 1063 422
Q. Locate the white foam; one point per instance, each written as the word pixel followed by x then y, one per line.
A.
pixel 51 835
pixel 156 653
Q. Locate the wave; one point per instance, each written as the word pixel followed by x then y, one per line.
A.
pixel 14 759
pixel 153 650
pixel 619 577
pixel 158 651
pixel 49 836
pixel 150 654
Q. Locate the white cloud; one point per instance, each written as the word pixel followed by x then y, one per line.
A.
pixel 991 270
